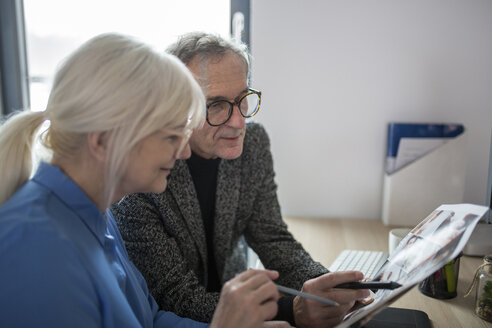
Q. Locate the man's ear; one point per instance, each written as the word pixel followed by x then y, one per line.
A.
pixel 97 143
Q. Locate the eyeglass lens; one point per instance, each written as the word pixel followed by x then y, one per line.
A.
pixel 220 111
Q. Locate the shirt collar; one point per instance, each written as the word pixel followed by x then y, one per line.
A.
pixel 73 196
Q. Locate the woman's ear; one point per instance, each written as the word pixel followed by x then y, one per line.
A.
pixel 97 143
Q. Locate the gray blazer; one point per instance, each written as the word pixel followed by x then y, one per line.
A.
pixel 165 236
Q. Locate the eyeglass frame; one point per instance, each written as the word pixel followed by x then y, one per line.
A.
pixel 237 102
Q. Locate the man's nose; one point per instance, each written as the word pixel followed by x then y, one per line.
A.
pixel 237 120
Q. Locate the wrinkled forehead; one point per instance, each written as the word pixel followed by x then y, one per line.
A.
pixel 209 70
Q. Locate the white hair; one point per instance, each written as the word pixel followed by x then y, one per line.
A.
pixel 114 84
pixel 207 46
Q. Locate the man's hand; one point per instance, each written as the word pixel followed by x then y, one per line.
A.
pixel 310 313
pixel 276 324
pixel 248 300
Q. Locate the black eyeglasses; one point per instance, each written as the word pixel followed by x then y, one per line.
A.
pixel 220 111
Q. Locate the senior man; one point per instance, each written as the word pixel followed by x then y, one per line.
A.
pixel 185 240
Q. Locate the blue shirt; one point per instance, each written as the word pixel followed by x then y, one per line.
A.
pixel 63 263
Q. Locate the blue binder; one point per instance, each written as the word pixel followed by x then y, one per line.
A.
pixel 425 167
pixel 398 131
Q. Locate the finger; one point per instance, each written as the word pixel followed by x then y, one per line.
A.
pixel 337 315
pixel 256 279
pixel 332 279
pixel 268 310
pixel 366 301
pixel 324 286
pixel 262 290
pixel 257 284
pixel 327 282
pixel 276 324
pixel 343 296
pixel 314 312
pixel 245 275
pixel 344 304
pixel 266 292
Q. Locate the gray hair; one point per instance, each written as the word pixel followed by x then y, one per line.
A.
pixel 114 84
pixel 206 46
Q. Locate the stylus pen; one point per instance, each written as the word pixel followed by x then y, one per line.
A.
pixel 373 285
pixel 295 292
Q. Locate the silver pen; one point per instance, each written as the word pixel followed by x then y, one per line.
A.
pixel 295 292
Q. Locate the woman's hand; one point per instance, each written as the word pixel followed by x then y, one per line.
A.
pixel 248 300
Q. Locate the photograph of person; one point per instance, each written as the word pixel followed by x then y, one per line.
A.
pixel 432 256
pixel 417 245
pixel 424 224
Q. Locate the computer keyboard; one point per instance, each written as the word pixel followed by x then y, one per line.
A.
pixel 367 262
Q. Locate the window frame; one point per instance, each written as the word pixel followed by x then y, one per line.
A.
pixel 14 75
pixel 15 95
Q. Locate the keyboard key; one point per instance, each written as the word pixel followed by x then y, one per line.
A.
pixel 367 262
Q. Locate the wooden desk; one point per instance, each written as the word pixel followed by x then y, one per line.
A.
pixel 324 239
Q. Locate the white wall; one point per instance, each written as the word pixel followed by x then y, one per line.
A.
pixel 335 72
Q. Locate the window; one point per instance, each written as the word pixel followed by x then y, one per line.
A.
pixel 54 28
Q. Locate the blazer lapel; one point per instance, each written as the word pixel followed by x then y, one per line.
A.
pixel 226 202
pixel 181 186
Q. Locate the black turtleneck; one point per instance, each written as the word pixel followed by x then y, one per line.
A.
pixel 204 174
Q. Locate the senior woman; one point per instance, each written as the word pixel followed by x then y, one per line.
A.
pixel 119 115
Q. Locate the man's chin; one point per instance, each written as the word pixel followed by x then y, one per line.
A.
pixel 231 152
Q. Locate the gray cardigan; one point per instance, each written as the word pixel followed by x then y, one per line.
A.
pixel 165 236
